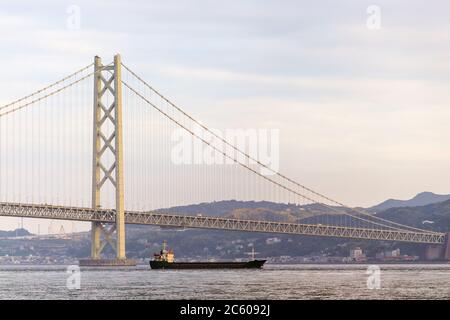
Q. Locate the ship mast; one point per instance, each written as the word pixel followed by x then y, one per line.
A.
pixel 252 254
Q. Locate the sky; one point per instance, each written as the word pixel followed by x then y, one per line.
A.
pixel 363 112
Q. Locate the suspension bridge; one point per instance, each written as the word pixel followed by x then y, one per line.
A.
pixel 79 136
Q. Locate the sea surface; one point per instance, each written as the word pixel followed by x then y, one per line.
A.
pixel 412 281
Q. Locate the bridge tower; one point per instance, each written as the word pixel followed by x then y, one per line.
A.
pixel 107 163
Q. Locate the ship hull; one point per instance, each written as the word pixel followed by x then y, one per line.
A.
pixel 254 264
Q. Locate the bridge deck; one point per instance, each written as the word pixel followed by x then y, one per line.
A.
pixel 205 222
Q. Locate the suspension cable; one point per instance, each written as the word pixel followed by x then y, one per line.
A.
pixel 47 87
pixel 17 108
pixel 340 211
pixel 253 170
pixel 359 211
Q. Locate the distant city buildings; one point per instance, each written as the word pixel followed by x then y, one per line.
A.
pixel 58 249
pixel 388 254
pixel 37 260
pixel 357 254
pixel 394 255
pixel 273 240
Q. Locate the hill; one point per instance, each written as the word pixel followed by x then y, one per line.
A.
pixel 421 199
pixel 226 244
pixel 143 241
pixel 14 233
pixel 434 216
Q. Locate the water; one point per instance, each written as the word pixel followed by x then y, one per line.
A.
pixel 428 281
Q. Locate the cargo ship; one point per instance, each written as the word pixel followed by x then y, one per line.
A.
pixel 165 259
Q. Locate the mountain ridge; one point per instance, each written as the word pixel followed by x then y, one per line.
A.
pixel 420 199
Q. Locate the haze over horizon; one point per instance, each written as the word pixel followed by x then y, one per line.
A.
pixel 363 114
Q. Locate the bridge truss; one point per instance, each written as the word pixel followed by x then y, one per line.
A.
pixel 205 222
